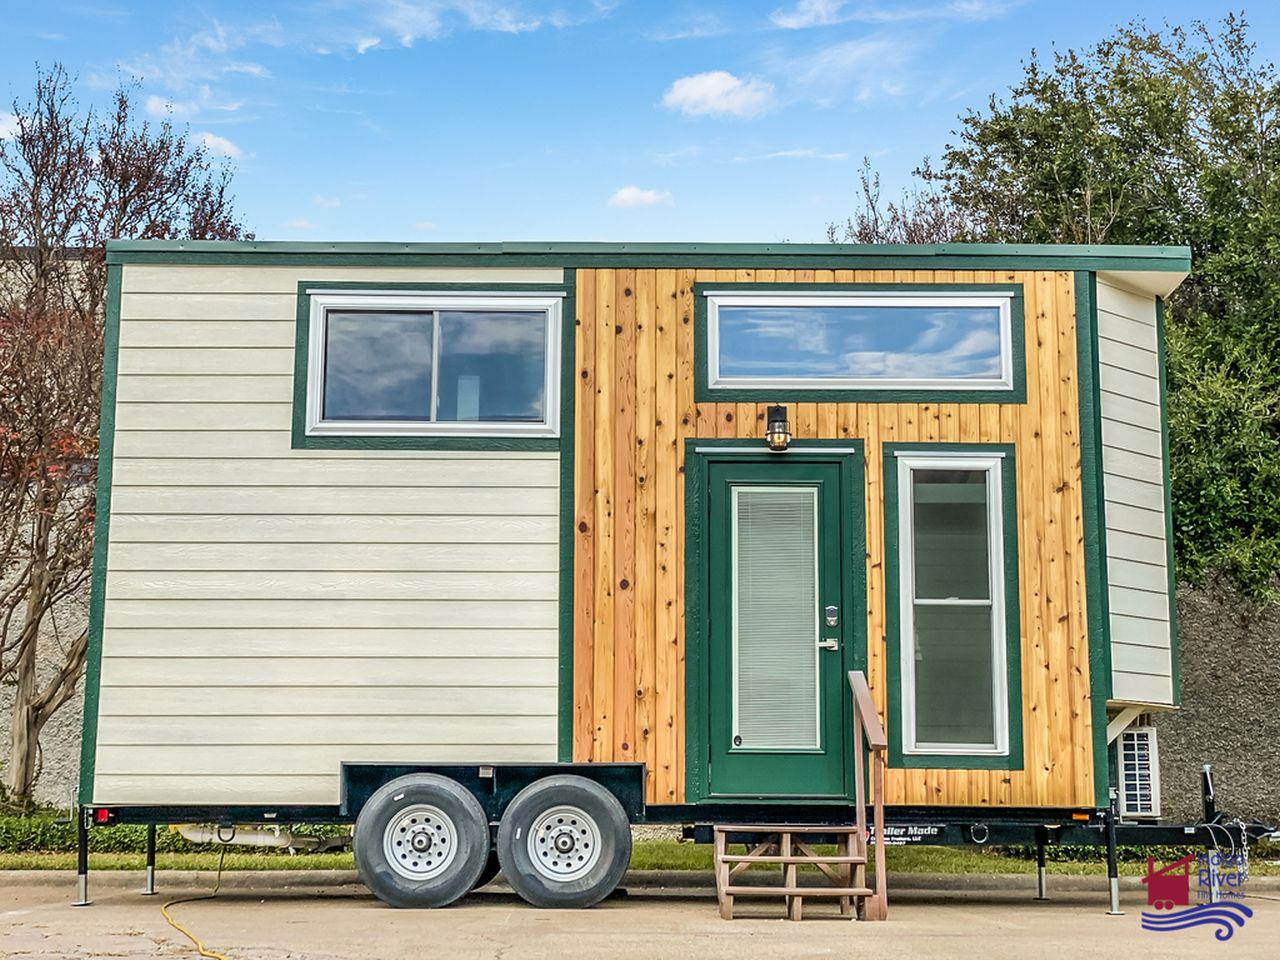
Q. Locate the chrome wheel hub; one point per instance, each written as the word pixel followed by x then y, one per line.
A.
pixel 420 842
pixel 564 843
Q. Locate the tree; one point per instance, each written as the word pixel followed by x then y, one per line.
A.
pixel 923 214
pixel 1152 137
pixel 70 179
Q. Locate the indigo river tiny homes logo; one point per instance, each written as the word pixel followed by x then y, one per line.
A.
pixel 1169 888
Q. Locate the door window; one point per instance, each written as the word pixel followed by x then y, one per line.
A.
pixel 775 617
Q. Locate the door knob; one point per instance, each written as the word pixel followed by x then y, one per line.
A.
pixel 831 643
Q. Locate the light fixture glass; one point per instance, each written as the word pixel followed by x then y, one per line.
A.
pixel 778 431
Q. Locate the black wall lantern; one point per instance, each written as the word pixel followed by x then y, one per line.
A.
pixel 778 432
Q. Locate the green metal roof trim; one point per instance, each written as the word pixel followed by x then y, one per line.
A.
pixel 923 256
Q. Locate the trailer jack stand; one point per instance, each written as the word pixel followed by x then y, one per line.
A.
pixel 1042 884
pixel 1113 866
pixel 82 858
pixel 149 889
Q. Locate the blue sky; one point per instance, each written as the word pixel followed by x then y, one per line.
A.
pixel 451 120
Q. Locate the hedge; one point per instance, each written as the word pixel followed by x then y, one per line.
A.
pixel 45 835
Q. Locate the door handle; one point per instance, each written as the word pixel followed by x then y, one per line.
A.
pixel 831 643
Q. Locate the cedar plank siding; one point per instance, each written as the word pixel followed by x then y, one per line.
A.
pixel 635 408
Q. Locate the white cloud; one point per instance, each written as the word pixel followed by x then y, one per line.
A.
pixel 219 146
pixel 230 53
pixel 362 24
pixel 719 93
pixel 633 196
pixel 808 13
pixel 867 68
pixel 589 12
pixel 412 20
pixel 221 50
pixel 328 203
pixel 424 225
pixel 300 223
pixel 672 158
pixel 8 126
pixel 248 69
pixel 802 153
pixel 184 77
pixel 159 106
pixel 163 106
pixel 206 56
pixel 825 13
pixel 697 27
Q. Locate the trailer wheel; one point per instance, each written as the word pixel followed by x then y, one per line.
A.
pixel 564 842
pixel 421 841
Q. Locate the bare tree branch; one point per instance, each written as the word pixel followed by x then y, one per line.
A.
pixel 70 180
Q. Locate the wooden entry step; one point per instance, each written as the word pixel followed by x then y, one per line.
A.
pixel 783 846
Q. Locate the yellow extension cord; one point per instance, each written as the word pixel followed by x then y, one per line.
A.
pixel 199 945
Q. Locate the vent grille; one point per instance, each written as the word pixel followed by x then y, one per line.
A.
pixel 1139 774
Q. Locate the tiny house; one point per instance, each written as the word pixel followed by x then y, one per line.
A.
pixel 500 515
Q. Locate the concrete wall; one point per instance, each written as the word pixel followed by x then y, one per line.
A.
pixel 1230 714
pixel 60 739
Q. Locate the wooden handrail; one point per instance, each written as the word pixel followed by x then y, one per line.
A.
pixel 868 731
pixel 866 708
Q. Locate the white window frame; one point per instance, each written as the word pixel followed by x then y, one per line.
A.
pixel 322 301
pixel 993 465
pixel 718 299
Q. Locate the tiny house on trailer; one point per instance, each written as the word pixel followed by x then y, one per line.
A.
pixel 495 548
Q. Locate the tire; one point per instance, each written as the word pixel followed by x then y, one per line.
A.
pixel 421 841
pixel 582 838
pixel 491 869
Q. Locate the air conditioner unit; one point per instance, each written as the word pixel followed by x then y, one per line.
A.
pixel 1139 774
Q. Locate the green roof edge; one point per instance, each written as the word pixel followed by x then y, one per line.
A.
pixel 1170 259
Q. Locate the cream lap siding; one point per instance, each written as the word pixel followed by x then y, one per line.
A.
pixel 1133 487
pixel 272 612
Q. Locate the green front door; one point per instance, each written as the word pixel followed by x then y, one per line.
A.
pixel 777 632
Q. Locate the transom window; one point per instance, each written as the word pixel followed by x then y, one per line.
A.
pixel 446 365
pixel 952 604
pixel 864 341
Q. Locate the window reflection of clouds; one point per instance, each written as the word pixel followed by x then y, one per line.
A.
pixel 880 342
pixel 377 366
pixel 492 333
pixel 506 351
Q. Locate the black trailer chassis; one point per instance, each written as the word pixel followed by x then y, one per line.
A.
pixel 495 787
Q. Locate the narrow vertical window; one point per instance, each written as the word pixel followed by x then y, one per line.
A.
pixel 952 595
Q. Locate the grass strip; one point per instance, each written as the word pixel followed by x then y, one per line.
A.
pixel 646 855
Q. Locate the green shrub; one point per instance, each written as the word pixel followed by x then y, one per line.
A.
pixel 44 835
